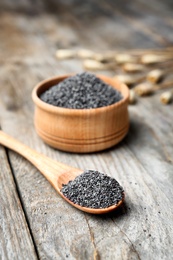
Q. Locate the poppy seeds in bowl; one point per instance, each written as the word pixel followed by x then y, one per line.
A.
pixel 82 91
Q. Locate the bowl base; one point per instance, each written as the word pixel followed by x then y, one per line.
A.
pixel 83 146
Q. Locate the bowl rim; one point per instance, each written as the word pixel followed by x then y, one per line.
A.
pixel 62 110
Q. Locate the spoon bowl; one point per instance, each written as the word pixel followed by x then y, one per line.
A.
pixel 55 172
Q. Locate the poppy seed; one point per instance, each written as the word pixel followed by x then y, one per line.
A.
pixel 82 91
pixel 94 190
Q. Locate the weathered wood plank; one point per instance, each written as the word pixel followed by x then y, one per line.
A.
pixel 153 149
pixel 16 241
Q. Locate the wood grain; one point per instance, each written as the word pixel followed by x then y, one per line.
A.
pixel 16 240
pixel 142 163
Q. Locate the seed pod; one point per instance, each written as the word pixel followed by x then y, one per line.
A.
pixel 155 76
pixel 144 89
pixel 166 97
pixel 104 57
pixel 122 58
pixel 85 54
pixel 153 58
pixel 133 67
pixel 65 54
pixel 132 97
pixel 96 65
pixel 127 79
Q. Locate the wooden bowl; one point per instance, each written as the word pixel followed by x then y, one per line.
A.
pixel 81 130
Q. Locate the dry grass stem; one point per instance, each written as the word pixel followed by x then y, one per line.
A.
pixel 125 58
pixel 120 56
pixel 144 89
pixel 138 52
pixel 104 57
pixel 165 85
pixel 154 58
pixel 129 79
pixel 85 54
pixel 90 64
pixel 65 54
pixel 126 79
pixel 133 67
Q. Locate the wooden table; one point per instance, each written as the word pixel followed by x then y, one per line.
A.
pixel 34 221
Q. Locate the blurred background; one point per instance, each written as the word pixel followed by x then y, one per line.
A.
pixel 37 27
pixel 31 32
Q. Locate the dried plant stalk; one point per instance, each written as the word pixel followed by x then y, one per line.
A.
pixel 96 65
pixel 65 54
pixel 127 79
pixel 122 58
pixel 104 57
pixel 139 52
pixel 154 58
pixel 133 67
pixel 85 54
pixel 155 76
pixel 161 51
pixel 144 89
pixel 165 85
pixel 132 97
pixel 166 97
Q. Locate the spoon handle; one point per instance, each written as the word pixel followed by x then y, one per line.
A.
pixel 49 168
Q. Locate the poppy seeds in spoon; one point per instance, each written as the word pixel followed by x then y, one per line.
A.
pixel 82 91
pixel 93 189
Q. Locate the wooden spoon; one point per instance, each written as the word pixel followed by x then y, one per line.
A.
pixel 55 172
